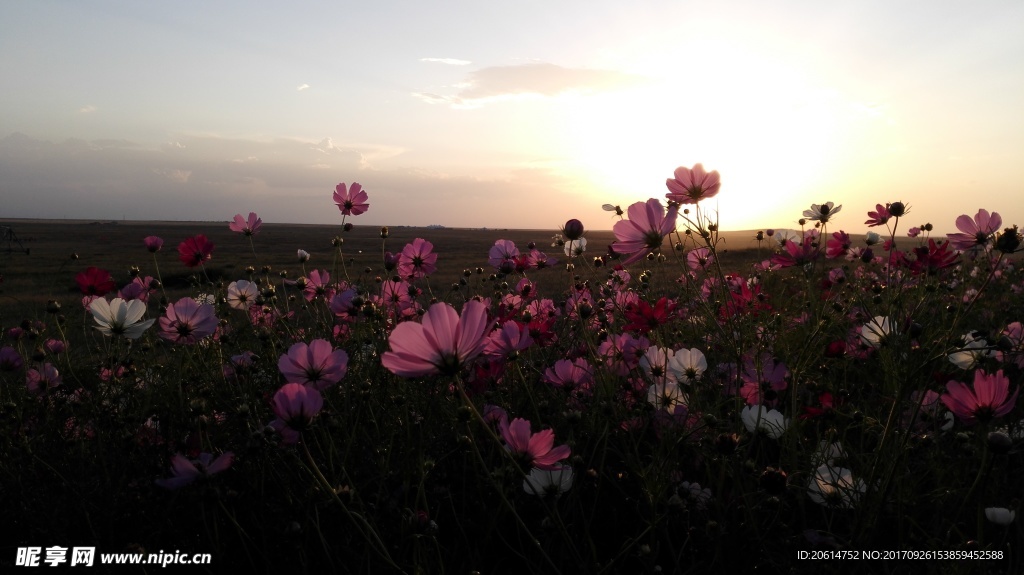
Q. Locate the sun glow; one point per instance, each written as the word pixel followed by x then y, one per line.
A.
pixel 770 133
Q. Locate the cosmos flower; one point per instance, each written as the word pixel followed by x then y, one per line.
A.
pixel 295 406
pixel 248 227
pixel 351 202
pixel 242 294
pixel 644 231
pixel 689 186
pixel 874 332
pixel 878 217
pixel 543 482
pixel 153 243
pixel 417 259
pixel 989 399
pixel 822 212
pixel 835 487
pixel 95 281
pixel 187 321
pixel 688 365
pixel 317 364
pixel 502 255
pixel 975 234
pixel 185 471
pixel 442 344
pixel 120 317
pixel 1000 515
pixel 194 251
pixel 537 449
pixel 771 422
pixel 41 379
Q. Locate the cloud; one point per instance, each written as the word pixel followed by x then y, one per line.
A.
pixel 87 109
pixel 302 87
pixel 179 176
pixel 536 79
pixel 448 61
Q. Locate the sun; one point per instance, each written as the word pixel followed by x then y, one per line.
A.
pixel 769 132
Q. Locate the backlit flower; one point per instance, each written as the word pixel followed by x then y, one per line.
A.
pixel 120 317
pixel 417 259
pixel 1000 515
pixel 502 255
pixel 771 422
pixel 194 251
pixel 835 487
pixel 351 202
pixel 153 243
pixel 692 185
pixel 242 294
pixel 317 364
pixel 989 399
pixel 95 281
pixel 295 406
pixel 442 344
pixel 41 379
pixel 644 231
pixel 247 226
pixel 878 217
pixel 187 321
pixel 822 212
pixel 875 332
pixel 975 233
pixel 185 471
pixel 542 482
pixel 688 365
pixel 536 449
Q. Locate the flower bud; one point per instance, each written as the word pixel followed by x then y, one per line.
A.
pixel 573 229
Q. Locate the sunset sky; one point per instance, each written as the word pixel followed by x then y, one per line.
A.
pixel 509 114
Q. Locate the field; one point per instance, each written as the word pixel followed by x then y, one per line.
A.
pixel 725 404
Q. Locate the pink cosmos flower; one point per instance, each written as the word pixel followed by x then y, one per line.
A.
pixel 417 259
pixel 95 281
pixel 512 338
pixel 10 359
pixel 570 373
pixel 502 255
pixel 187 321
pixel 975 233
pixel 878 217
pixel 442 344
pixel 643 232
pixel 185 471
pixel 318 285
pixel 537 449
pixel 351 202
pixel 692 185
pixel 914 232
pixel 42 379
pixel 153 243
pixel 988 400
pixel 248 227
pixel 194 251
pixel 295 406
pixel 317 364
pixel 700 259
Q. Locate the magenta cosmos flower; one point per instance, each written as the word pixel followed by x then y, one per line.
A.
pixel 643 232
pixel 317 364
pixel 185 471
pixel 692 185
pixel 95 281
pixel 975 233
pixel 194 251
pixel 187 321
pixel 537 449
pixel 417 260
pixel 247 226
pixel 351 202
pixel 442 344
pixel 153 243
pixel 295 406
pixel 988 400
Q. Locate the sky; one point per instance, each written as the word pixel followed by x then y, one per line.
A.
pixel 510 114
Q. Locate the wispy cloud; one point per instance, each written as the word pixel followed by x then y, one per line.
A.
pixel 302 87
pixel 448 61
pixel 536 79
pixel 87 109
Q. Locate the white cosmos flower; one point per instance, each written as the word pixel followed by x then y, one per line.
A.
pixel 666 395
pixel 1000 515
pixel 575 247
pixel 120 317
pixel 654 364
pixel 874 332
pixel 541 482
pixel 771 422
pixel 972 353
pixel 242 294
pixel 688 365
pixel 835 487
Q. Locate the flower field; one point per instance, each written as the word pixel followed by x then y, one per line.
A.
pixel 374 400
